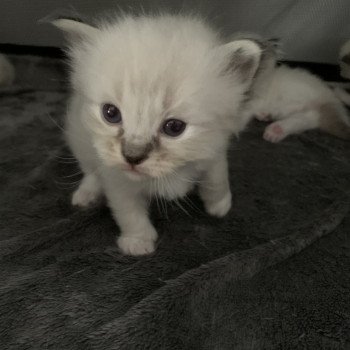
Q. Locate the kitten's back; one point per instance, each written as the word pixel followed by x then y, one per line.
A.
pixel 301 85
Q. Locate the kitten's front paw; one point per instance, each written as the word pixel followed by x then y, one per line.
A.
pixel 83 197
pixel 274 133
pixel 221 207
pixel 136 245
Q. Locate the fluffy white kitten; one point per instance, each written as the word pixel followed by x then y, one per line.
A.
pixel 7 71
pixel 155 102
pixel 295 99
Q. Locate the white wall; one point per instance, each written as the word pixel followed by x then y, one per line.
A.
pixel 311 30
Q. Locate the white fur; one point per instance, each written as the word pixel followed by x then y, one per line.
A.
pixel 154 68
pixel 294 98
pixel 7 71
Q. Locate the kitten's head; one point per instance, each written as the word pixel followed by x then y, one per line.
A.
pixel 158 92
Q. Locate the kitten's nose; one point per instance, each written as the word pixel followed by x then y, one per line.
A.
pixel 134 160
pixel 135 154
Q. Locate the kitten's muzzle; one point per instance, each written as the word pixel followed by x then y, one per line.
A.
pixel 135 154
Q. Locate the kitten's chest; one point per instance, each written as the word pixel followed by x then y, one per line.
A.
pixel 173 186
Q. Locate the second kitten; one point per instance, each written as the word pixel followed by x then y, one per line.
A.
pixel 295 100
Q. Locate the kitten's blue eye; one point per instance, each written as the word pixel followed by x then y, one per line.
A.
pixel 173 127
pixel 111 113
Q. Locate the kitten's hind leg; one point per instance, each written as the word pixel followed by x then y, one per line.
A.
pixel 88 192
pixel 294 124
pixel 215 188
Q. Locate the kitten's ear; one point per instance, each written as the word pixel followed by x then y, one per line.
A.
pixel 75 30
pixel 243 58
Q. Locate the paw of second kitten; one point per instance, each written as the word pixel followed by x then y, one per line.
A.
pixel 221 207
pixel 274 133
pixel 83 197
pixel 136 245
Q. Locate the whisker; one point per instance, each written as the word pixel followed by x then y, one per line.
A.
pixel 65 158
pixel 156 193
pixel 66 186
pixel 190 203
pixel 65 131
pixel 162 200
pixel 68 162
pixel 177 175
pixel 55 122
pixel 75 174
pixel 165 203
pixel 67 183
pixel 181 207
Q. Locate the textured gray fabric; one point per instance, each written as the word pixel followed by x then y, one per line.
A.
pixel 212 284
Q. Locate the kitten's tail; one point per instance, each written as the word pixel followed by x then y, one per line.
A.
pixel 334 121
pixel 7 71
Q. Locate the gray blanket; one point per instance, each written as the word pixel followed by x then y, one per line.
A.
pixel 249 281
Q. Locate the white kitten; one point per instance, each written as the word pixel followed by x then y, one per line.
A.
pixel 7 71
pixel 297 99
pixel 155 102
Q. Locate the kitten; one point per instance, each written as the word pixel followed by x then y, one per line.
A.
pixel 155 102
pixel 7 71
pixel 294 99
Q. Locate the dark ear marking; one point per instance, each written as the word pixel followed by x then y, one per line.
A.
pixel 243 58
pixel 242 64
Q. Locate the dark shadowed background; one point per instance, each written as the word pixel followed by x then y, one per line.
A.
pixel 311 30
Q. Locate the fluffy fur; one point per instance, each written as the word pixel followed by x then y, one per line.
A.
pixel 154 68
pixel 7 71
pixel 295 99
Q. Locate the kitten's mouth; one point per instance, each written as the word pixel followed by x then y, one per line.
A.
pixel 133 172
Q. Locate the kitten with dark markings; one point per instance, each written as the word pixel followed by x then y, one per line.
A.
pixel 294 99
pixel 155 101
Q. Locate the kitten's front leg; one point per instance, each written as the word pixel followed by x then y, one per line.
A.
pixel 130 210
pixel 88 192
pixel 215 188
